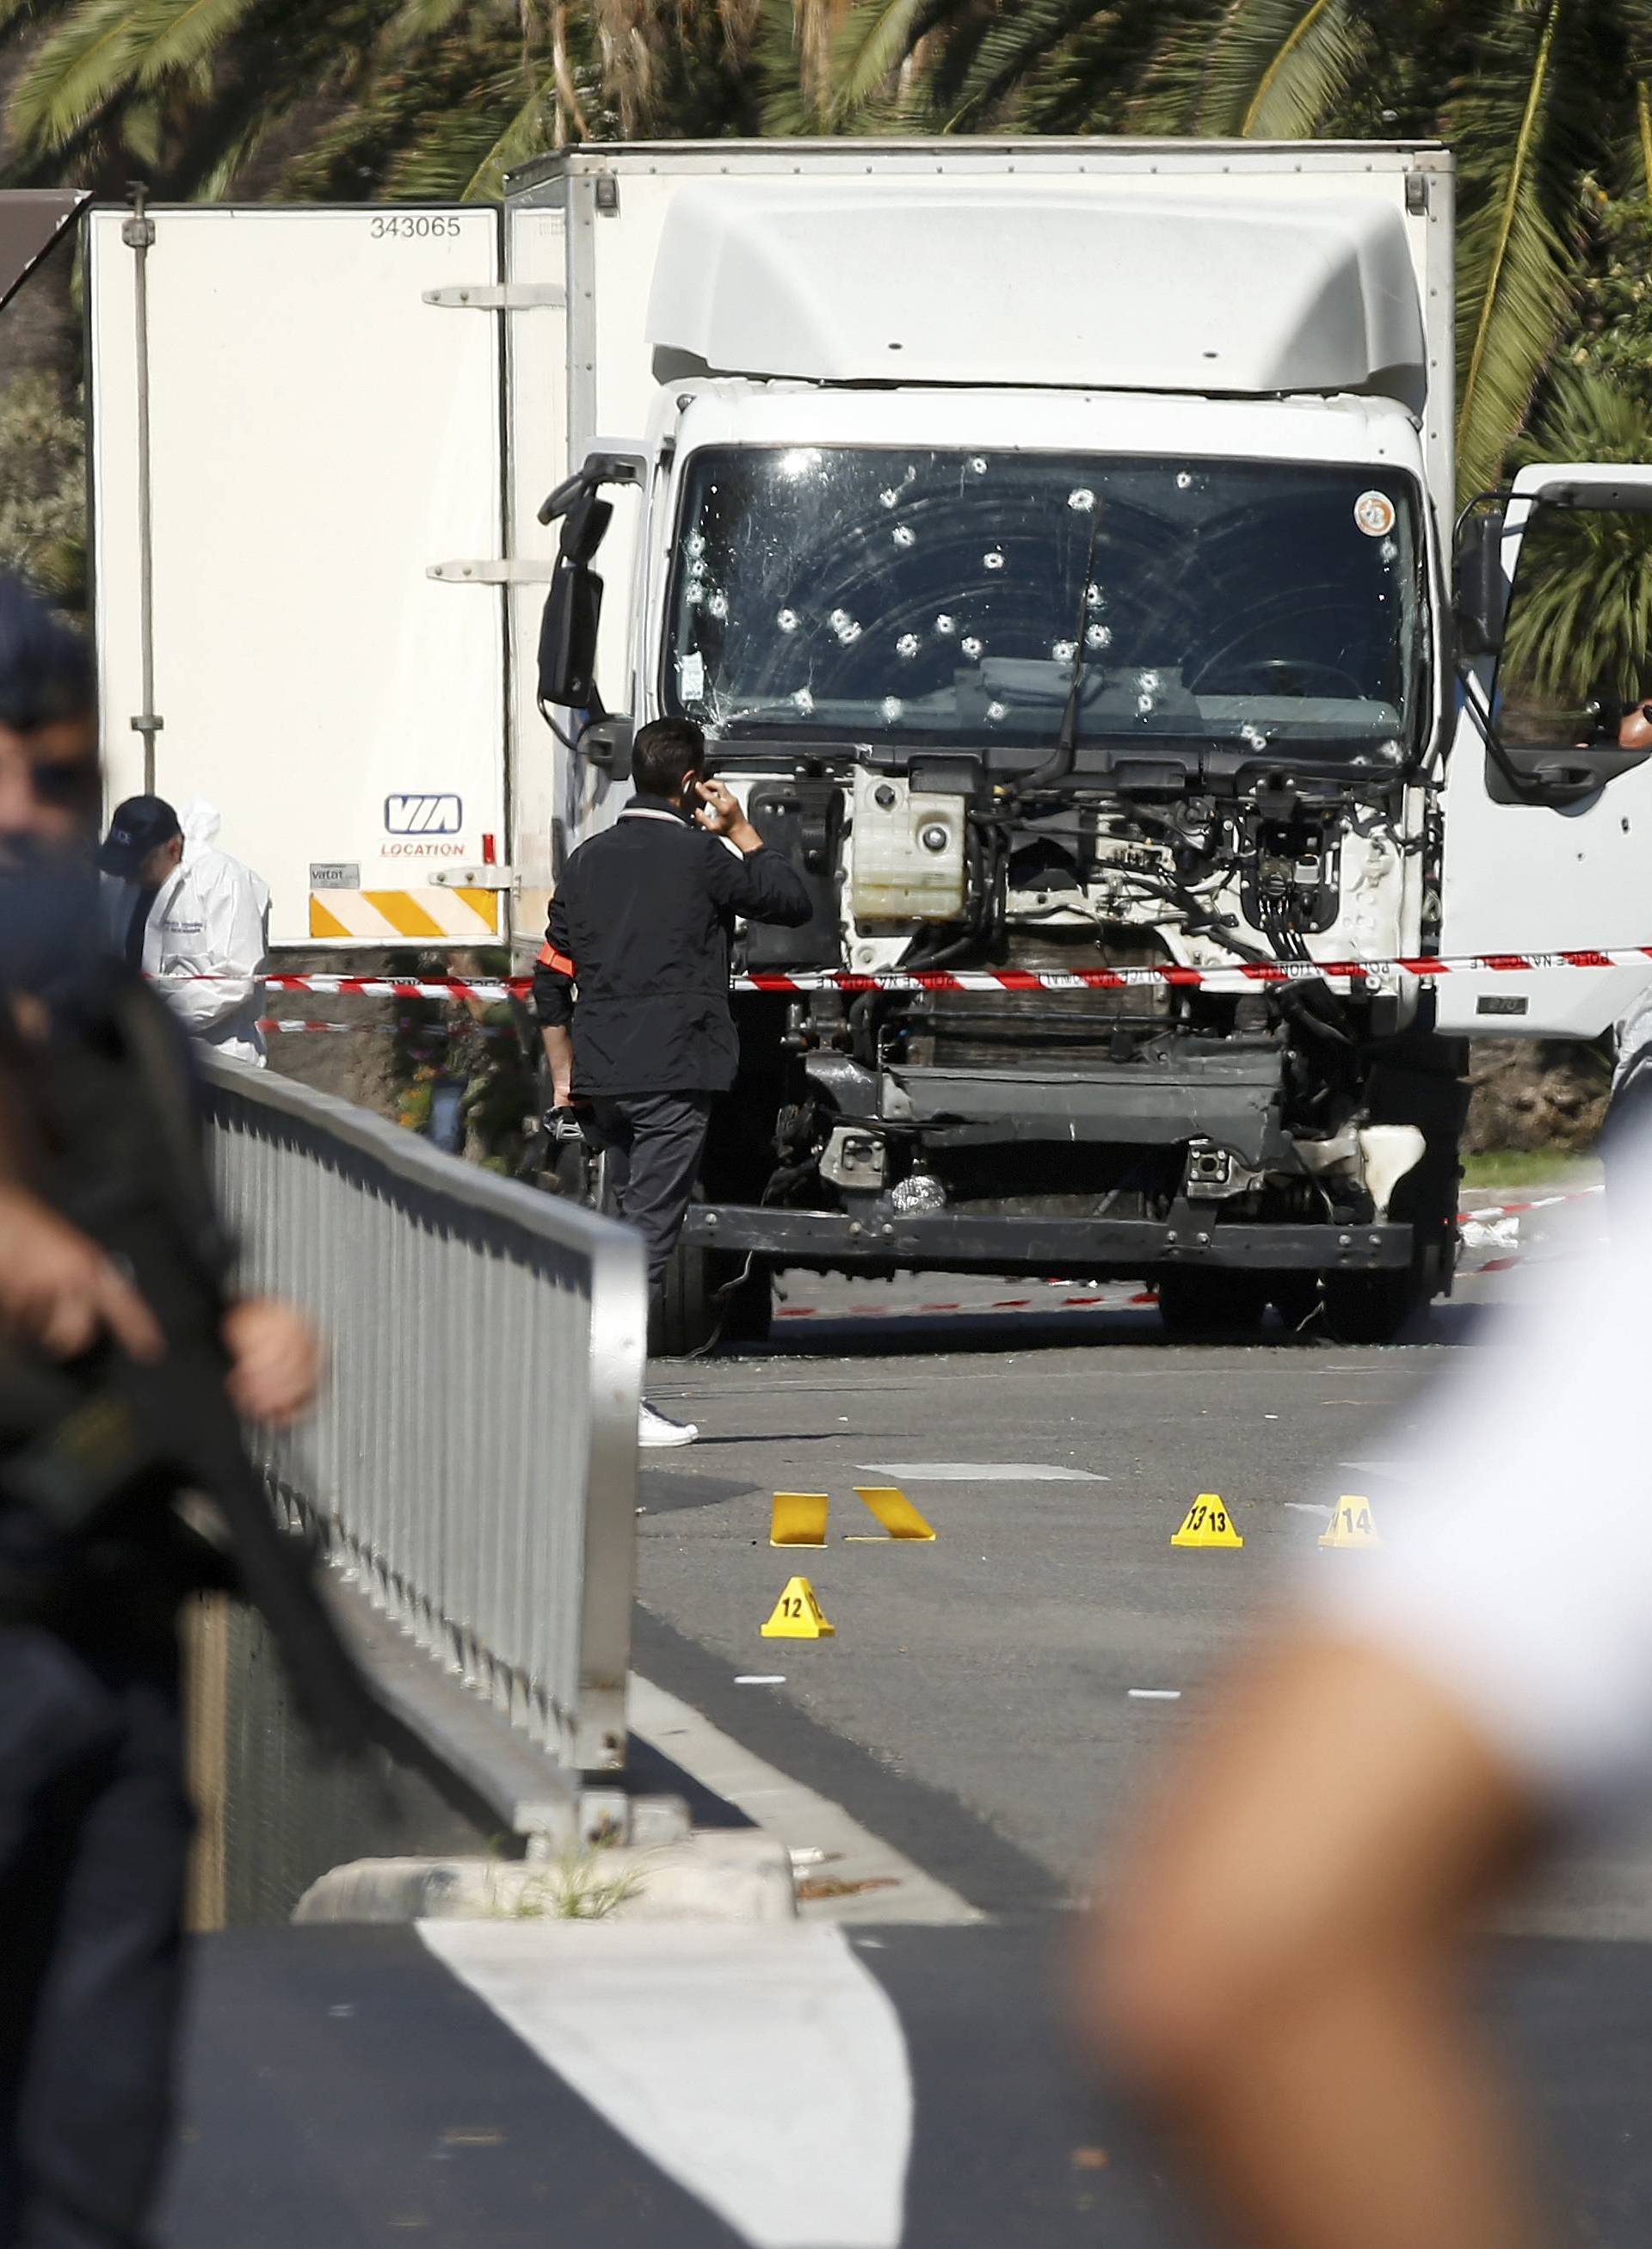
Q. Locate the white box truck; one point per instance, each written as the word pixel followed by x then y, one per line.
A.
pixel 1055 539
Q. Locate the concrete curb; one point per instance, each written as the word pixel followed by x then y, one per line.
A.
pixel 739 1875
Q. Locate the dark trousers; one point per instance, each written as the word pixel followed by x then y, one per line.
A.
pixel 94 1831
pixel 653 1142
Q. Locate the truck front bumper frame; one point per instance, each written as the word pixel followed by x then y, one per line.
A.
pixel 953 1243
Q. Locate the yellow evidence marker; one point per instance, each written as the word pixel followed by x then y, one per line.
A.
pixel 1207 1524
pixel 799 1519
pixel 894 1510
pixel 797 1614
pixel 1351 1524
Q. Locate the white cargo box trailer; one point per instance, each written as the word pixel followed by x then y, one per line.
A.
pixel 318 436
pixel 344 400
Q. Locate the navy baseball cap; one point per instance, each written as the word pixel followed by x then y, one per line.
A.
pixel 137 827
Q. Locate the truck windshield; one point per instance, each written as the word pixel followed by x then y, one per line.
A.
pixel 894 596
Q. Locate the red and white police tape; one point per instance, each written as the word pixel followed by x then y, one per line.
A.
pixel 1237 976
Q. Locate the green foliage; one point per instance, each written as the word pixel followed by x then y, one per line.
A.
pixel 1615 331
pixel 1582 618
pixel 43 517
pixel 1266 69
pixel 1549 103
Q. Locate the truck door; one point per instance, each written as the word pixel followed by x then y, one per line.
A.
pixel 1548 847
pixel 320 436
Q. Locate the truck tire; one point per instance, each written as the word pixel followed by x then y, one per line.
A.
pixel 1294 1296
pixel 694 1314
pixel 685 1318
pixel 1210 1303
pixel 1374 1308
pixel 748 1312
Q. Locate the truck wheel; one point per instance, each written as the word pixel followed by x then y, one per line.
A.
pixel 685 1318
pixel 1373 1308
pixel 1295 1295
pixel 694 1315
pixel 748 1312
pixel 1207 1303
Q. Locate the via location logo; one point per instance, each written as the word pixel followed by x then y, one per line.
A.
pixel 424 815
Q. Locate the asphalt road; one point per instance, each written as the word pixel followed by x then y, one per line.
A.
pixel 975 1704
pixel 357 2087
pixel 896 2087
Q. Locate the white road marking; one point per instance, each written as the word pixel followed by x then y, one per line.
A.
pixel 764 2070
pixel 978 1472
pixel 1155 1694
pixel 801 1819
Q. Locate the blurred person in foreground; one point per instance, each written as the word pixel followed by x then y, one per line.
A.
pixel 191 916
pixel 124 1359
pixel 1280 1962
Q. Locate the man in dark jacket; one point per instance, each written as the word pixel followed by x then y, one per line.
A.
pixel 631 988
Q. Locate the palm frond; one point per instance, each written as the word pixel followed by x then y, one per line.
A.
pixel 1520 159
pixel 877 38
pixel 418 20
pixel 1310 72
pixel 1021 47
pixel 451 150
pixel 1088 81
pixel 1267 70
pixel 530 133
pixel 75 73
pixel 185 35
pixel 1582 614
pixel 787 111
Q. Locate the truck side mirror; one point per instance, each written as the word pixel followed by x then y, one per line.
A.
pixel 567 635
pixel 1481 594
pixel 606 743
pixel 574 610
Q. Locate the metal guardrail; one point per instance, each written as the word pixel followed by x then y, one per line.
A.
pixel 473 1461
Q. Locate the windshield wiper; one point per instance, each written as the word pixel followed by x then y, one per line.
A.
pixel 1065 756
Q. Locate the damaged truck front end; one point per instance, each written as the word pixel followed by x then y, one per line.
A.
pixel 1089 757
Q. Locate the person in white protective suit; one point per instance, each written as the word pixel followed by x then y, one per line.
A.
pixel 190 917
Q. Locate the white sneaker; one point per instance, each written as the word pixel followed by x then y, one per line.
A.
pixel 654 1429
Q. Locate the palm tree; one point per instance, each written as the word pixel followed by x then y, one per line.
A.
pixel 1537 95
pixel 1582 617
pixel 355 97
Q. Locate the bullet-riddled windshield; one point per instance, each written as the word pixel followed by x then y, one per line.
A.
pixel 889 595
